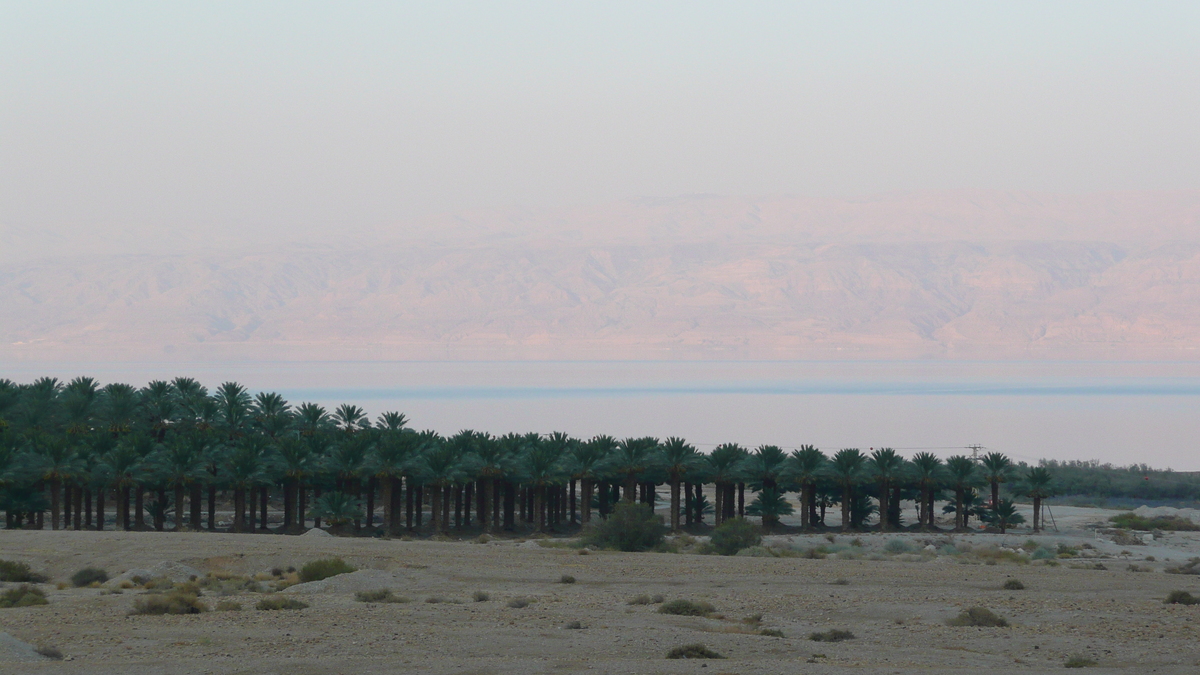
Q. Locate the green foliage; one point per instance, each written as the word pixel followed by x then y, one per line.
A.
pixel 771 632
pixel 734 535
pixel 1181 598
pixel 566 579
pixel 480 596
pixel 19 572
pixel 279 602
pixel 88 576
pixel 175 602
pixel 1014 585
pixel 687 608
pixel 22 596
pixel 323 569
pixel 229 606
pixel 630 527
pixel 897 546
pixel 694 651
pixel 834 635
pixel 1132 521
pixel 644 599
pixel 381 595
pixel 1079 661
pixel 980 617
pixel 770 504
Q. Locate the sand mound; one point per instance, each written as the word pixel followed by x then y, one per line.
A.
pixel 362 580
pixel 12 649
pixel 1168 511
pixel 167 569
pixel 316 532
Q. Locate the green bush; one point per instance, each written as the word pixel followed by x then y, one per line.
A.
pixel 1132 521
pixel 88 576
pixel 278 602
pixel 382 595
pixel 644 599
pixel 1079 661
pixel 1014 585
pixel 686 608
pixel 566 579
pixel 733 535
pixel 19 572
pixel 771 632
pixel 630 527
pixel 22 596
pixel 978 616
pixel 229 606
pixel 1181 598
pixel 897 546
pixel 323 569
pixel 169 603
pixel 696 651
pixel 834 635
pixel 481 596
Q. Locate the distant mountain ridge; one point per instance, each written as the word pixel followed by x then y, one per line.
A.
pixel 952 275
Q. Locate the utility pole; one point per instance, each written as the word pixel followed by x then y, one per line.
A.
pixel 975 451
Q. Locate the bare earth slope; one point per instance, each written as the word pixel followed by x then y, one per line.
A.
pixel 968 275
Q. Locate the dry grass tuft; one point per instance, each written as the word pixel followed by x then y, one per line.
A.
pixel 480 596
pixel 1079 661
pixel 23 596
pixel 1014 585
pixel 175 602
pixel 229 606
pixel 687 608
pixel 834 635
pixel 382 595
pixel 1181 598
pixel 566 579
pixel 979 617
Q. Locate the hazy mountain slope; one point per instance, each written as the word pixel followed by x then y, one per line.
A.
pixel 702 278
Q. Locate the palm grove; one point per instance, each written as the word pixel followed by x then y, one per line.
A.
pixel 167 455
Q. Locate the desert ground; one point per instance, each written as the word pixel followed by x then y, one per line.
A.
pixel 1104 604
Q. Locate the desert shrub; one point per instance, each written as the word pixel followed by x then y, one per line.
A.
pixel 88 576
pixel 169 603
pixel 518 603
pixel 574 625
pixel 642 599
pixel 841 582
pixel 22 596
pixel 1014 585
pixel 895 546
pixel 978 616
pixel 480 596
pixel 1181 598
pixel 733 535
pixel 50 652
pixel 382 595
pixel 771 632
pixel 229 606
pixel 834 635
pixel 1190 567
pixel 323 569
pixel 1043 553
pixel 19 572
pixel 630 527
pixel 753 619
pixel 696 651
pixel 1065 551
pixel 278 602
pixel 687 608
pixel 566 579
pixel 1132 521
pixel 1079 661
pixel 815 553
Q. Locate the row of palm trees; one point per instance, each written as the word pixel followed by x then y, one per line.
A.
pixel 174 450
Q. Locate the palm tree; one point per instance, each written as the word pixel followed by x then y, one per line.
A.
pixel 119 407
pixel 233 406
pixel 1004 515
pixel 123 466
pixel 678 458
pixel 441 465
pixel 338 508
pixel 996 466
pixel 724 469
pixel 963 476
pixel 293 459
pixel 388 462
pixel 1037 486
pixel 887 465
pixel 543 466
pixel 770 504
pixel 805 466
pixel 312 419
pixel 272 414
pixel 351 418
pixel 586 463
pixel 245 469
pixel 927 470
pixel 847 467
pixel 633 457
pixel 181 464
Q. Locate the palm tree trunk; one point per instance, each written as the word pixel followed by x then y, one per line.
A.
pixel 446 510
pixel 76 523
pixel 1037 512
pixel 894 507
pixel 139 516
pixel 674 504
pixel 125 524
pixel 883 507
pixel 371 502
pixel 436 502
pixel 485 504
pixel 959 521
pixel 212 508
pixel 537 509
pixel 264 498
pixel 719 503
pixel 586 515
pixel 689 503
pixel 468 499
pixel 630 489
pixel 995 493
pixel 571 498
pixel 239 498
pixel 87 508
pixel 847 501
pixel 386 496
pixel 741 500
pixel 420 507
pixel 54 504
pixel 100 509
pixel 458 506
pixel 178 506
pixel 410 495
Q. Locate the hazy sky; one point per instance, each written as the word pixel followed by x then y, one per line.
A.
pixel 316 115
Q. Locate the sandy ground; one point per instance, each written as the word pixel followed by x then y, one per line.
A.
pixel 896 605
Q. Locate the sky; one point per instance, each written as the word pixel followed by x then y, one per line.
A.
pixel 289 117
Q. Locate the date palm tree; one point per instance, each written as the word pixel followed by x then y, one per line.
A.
pixel 1004 515
pixel 1038 487
pixel 495 458
pixel 293 460
pixel 724 469
pixel 927 472
pixel 678 458
pixel 388 461
pixel 632 457
pixel 805 466
pixel 441 465
pixel 963 475
pixel 996 466
pixel 246 469
pixel 312 419
pixel 847 467
pixel 180 463
pixel 887 465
